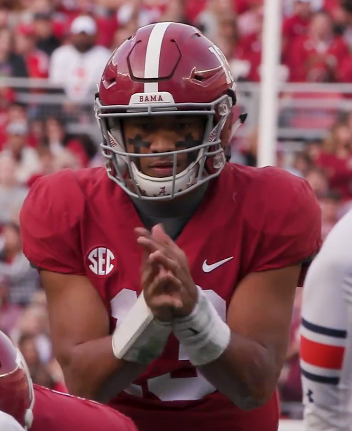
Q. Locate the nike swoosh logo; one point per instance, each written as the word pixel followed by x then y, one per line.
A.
pixel 209 268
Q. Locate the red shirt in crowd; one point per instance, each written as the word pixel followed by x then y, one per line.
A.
pixel 314 62
pixel 339 171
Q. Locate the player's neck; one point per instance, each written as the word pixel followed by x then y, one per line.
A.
pixel 174 207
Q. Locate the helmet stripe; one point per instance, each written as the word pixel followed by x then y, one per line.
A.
pixel 152 57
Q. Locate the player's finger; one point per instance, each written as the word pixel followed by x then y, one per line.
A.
pixel 142 231
pixel 149 272
pixel 159 234
pixel 162 258
pixel 152 246
pixel 166 301
pixel 163 283
pixel 147 244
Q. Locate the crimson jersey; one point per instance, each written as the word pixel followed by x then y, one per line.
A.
pixel 55 411
pixel 80 222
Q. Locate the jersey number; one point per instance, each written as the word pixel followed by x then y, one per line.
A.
pixel 165 387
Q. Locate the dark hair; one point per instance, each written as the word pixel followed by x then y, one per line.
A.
pixel 347 5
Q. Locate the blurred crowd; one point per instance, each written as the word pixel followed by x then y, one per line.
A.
pixel 67 43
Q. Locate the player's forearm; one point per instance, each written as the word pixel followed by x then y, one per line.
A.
pixel 237 366
pixel 93 371
pixel 246 372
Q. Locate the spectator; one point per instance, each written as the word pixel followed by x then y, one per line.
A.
pixel 315 57
pixel 330 207
pixel 36 133
pixel 78 65
pixel 66 160
pixel 248 54
pixel 296 25
pixel 58 140
pixel 34 323
pixel 28 8
pixel 123 33
pixel 313 149
pixel 21 279
pixel 318 180
pixel 12 194
pixel 11 64
pixel 26 158
pixel 175 11
pixel 46 159
pixel 43 30
pixel 28 348
pixel 250 19
pixel 138 12
pixel 208 19
pixel 17 113
pixel 345 8
pixel 301 164
pixel 37 62
pixel 4 16
pixel 336 159
pixel 9 313
pixel 227 40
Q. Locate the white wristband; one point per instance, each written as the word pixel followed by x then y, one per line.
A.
pixel 203 333
pixel 140 337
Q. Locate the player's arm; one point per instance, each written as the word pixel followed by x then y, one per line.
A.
pixel 79 327
pixel 244 357
pixel 50 230
pixel 259 318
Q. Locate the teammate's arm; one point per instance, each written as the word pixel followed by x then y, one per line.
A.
pixel 79 325
pixel 259 318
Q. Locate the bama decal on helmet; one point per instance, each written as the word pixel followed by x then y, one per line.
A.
pixel 158 97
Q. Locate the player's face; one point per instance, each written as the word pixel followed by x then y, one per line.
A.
pixel 162 134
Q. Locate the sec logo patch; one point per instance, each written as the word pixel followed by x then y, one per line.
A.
pixel 101 261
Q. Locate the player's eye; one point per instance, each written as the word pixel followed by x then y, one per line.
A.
pixel 145 127
pixel 182 126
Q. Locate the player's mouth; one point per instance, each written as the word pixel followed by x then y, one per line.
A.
pixel 162 169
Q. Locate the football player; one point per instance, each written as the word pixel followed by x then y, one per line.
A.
pixel 33 407
pixel 216 249
pixel 326 334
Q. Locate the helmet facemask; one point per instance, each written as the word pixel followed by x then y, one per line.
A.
pixel 123 167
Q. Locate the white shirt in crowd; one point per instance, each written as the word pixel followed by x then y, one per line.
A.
pixel 78 73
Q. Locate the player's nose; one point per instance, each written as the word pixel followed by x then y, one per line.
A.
pixel 163 142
